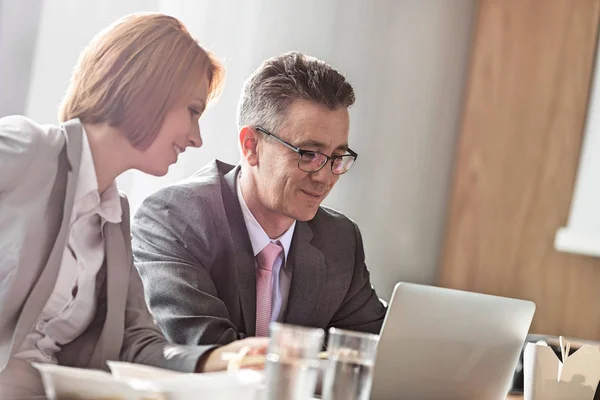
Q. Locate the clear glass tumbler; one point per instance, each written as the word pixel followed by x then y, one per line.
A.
pixel 292 362
pixel 351 357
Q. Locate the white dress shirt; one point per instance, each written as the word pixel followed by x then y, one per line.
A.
pixel 72 304
pixel 280 282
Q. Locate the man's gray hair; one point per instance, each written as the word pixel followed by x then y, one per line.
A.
pixel 291 76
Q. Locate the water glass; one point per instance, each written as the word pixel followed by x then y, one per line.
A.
pixel 351 357
pixel 292 362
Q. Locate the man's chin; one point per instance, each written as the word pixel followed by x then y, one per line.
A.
pixel 305 215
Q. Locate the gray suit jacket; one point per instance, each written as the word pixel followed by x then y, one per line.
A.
pixel 193 252
pixel 39 167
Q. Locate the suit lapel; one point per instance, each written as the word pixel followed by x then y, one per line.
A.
pixel 244 255
pixel 308 278
pixel 118 267
pixel 45 284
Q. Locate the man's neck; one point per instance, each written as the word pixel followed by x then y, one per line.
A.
pixel 274 224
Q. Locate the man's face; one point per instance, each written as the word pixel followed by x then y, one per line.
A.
pixel 282 187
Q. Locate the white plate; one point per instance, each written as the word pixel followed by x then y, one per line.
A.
pixel 66 382
pixel 244 384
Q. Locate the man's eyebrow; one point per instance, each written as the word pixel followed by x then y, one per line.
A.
pixel 320 145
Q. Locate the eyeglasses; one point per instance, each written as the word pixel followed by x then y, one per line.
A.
pixel 313 161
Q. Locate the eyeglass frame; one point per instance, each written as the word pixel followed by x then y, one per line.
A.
pixel 301 152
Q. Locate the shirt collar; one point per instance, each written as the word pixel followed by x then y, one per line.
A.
pixel 258 236
pixel 87 182
pixel 87 196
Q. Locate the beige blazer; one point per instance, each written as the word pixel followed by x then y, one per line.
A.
pixel 38 172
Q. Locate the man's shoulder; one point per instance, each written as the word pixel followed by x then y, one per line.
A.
pixel 329 219
pixel 201 190
pixel 211 175
pixel 204 182
pixel 332 215
pixel 335 234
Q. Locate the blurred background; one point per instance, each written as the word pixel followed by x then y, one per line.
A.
pixel 475 121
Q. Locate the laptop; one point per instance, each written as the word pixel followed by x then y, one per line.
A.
pixel 439 343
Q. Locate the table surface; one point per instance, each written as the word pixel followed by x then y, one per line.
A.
pixel 510 397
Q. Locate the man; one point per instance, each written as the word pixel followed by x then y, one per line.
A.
pixel 232 248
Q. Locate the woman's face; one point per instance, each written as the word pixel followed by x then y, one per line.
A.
pixel 179 130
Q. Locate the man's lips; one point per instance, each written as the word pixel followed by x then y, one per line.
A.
pixel 315 195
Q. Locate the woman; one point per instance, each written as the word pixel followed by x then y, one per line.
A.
pixel 69 293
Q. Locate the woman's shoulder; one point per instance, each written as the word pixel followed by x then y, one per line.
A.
pixel 28 149
pixel 22 135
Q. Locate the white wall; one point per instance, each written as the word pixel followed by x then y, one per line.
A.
pixel 19 20
pixel 406 58
pixel 582 233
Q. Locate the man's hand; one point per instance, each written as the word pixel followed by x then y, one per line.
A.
pixel 213 361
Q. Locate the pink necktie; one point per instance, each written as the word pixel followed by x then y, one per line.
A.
pixel 265 260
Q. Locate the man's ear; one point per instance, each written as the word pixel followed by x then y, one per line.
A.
pixel 248 139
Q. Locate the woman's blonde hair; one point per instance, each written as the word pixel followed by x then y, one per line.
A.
pixel 133 72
